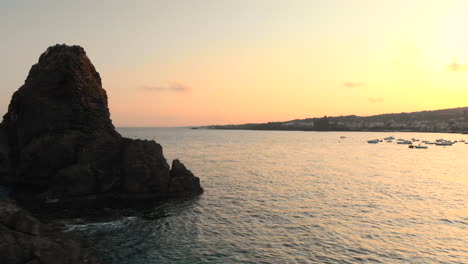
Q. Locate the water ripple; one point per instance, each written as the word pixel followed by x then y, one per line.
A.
pixel 300 197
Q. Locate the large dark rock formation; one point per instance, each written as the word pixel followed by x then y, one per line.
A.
pixel 57 139
pixel 4 154
pixel 24 239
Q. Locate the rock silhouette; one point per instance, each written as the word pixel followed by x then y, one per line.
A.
pixel 57 139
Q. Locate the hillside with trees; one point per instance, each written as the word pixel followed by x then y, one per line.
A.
pixel 454 120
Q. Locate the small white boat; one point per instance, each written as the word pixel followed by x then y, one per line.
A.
pixel 420 147
pixel 401 142
pixel 389 138
pixel 444 143
pixel 373 141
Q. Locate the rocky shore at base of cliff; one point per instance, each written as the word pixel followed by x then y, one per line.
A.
pixel 59 148
pixel 27 240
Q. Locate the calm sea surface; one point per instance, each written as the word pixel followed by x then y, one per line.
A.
pixel 300 197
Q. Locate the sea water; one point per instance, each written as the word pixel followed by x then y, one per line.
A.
pixel 300 197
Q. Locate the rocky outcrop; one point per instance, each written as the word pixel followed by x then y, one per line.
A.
pixel 4 154
pixel 24 239
pixel 182 180
pixel 144 168
pixel 59 141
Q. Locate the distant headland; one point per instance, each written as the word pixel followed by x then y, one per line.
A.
pixel 453 120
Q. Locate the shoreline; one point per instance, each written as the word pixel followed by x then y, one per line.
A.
pixel 304 130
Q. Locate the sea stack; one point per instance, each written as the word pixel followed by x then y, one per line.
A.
pixel 57 140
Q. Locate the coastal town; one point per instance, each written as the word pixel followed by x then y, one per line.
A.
pixel 453 120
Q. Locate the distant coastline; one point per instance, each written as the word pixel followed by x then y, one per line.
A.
pixel 453 120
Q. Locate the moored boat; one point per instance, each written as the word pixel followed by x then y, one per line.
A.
pixel 420 147
pixel 407 142
pixel 444 143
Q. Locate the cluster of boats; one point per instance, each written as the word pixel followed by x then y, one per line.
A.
pixel 437 142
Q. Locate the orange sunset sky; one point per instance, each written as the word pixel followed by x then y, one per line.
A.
pixel 180 63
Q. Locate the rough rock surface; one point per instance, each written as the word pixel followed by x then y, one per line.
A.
pixel 58 140
pixel 182 180
pixel 24 239
pixel 4 154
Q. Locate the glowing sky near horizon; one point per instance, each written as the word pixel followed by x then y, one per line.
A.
pixel 178 63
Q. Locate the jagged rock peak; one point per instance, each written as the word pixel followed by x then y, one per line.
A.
pixel 62 91
pixel 62 48
pixel 70 57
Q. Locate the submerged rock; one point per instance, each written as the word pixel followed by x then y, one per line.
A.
pixel 58 140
